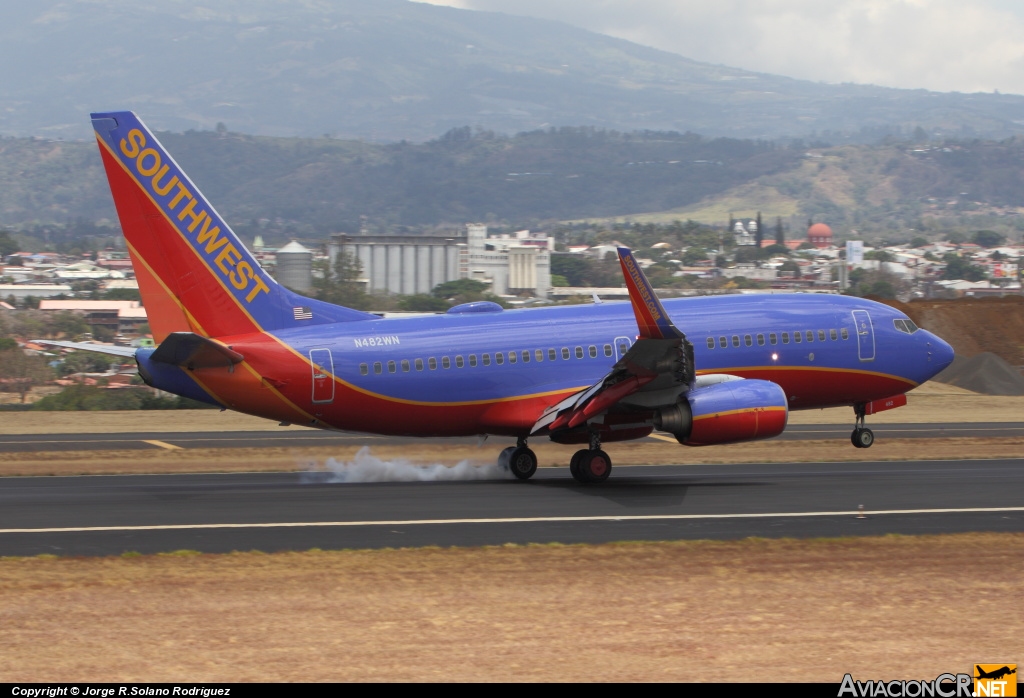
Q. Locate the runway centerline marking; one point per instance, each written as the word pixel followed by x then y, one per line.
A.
pixel 162 444
pixel 535 519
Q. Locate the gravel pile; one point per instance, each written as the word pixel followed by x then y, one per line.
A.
pixel 983 373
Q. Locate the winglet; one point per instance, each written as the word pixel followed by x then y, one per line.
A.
pixel 651 318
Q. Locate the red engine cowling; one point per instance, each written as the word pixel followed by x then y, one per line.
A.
pixel 743 410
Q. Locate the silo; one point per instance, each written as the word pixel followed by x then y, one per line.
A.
pixel 295 267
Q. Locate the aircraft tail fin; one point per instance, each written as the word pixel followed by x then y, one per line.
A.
pixel 194 274
pixel 651 318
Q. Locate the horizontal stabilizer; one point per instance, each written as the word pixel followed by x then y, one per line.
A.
pixel 193 351
pixel 89 346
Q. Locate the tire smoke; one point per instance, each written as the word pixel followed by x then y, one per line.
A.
pixel 365 467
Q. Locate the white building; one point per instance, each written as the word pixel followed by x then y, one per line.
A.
pixel 410 264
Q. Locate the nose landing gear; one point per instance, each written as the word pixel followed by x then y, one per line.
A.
pixel 862 437
pixel 519 459
pixel 591 465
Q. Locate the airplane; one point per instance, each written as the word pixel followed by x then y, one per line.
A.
pixel 995 674
pixel 706 370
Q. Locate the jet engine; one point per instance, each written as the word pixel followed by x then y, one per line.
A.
pixel 742 410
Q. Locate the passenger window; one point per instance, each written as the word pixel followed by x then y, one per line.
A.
pixel 552 354
pixel 459 363
pixel 486 359
pixel 773 338
pixel 785 337
pixel 748 340
pixel 810 335
pixel 446 362
pixel 579 352
pixel 432 362
pixel 735 340
pixel 593 351
pixel 472 360
pixel 511 357
pixel 798 337
pixel 711 342
pixel 405 365
pixel 526 356
pixel 378 368
pixel 565 352
pixel 419 364
pixel 539 354
pixel 607 349
pixel 392 367
pixel 821 335
pixel 844 333
pixel 623 347
pixel 364 369
pixel 833 335
pixel 723 342
pixel 760 340
pixel 499 358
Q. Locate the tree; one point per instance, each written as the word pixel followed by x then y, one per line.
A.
pixel 461 290
pixel 790 266
pixel 780 233
pixel 919 241
pixel 760 229
pixel 988 238
pixel 959 268
pixel 19 372
pixel 423 303
pixel 956 238
pixel 8 245
pixel 340 284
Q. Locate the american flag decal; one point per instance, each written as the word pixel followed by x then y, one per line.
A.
pixel 302 313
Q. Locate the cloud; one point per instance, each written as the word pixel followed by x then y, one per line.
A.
pixel 944 45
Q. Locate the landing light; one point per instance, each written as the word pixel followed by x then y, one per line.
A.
pixel 775 357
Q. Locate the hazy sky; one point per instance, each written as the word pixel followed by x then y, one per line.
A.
pixel 945 45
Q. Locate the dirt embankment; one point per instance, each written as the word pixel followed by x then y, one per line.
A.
pixel 973 325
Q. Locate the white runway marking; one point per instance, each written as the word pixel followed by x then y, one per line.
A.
pixel 536 519
pixel 162 444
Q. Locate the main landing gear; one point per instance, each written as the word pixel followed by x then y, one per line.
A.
pixel 591 465
pixel 519 459
pixel 862 437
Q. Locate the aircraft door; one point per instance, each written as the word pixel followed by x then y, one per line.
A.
pixel 323 375
pixel 622 345
pixel 865 335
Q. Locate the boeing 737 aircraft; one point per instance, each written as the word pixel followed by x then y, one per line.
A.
pixel 711 370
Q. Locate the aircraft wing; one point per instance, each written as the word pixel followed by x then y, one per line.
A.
pixel 659 364
pixel 89 346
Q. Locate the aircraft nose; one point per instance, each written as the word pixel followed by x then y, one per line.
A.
pixel 940 353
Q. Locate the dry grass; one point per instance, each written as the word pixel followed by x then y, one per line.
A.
pixel 755 610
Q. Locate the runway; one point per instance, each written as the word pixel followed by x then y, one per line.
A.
pixel 108 515
pixel 12 443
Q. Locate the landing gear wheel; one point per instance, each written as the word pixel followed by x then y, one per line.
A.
pixel 592 466
pixel 574 465
pixel 862 438
pixel 505 458
pixel 522 462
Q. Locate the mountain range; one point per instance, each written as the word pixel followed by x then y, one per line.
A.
pixel 388 70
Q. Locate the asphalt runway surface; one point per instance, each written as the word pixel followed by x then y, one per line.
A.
pixel 11 443
pixel 109 515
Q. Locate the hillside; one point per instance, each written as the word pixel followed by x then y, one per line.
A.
pixel 311 187
pixel 327 185
pixel 387 70
pixel 881 190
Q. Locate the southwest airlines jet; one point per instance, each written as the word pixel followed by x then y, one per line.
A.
pixel 711 370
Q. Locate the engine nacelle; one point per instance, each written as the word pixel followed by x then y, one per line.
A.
pixel 744 410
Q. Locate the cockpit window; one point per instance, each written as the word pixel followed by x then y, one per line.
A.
pixel 904 325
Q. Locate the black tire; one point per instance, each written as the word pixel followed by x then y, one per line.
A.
pixel 855 438
pixel 505 458
pixel 574 466
pixel 523 463
pixel 595 466
pixel 866 438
